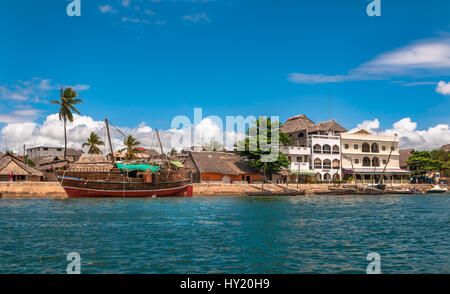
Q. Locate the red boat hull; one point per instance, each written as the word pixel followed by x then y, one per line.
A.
pixel 74 192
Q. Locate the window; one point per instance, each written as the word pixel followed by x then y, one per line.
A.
pixel 346 146
pixel 45 149
pixel 58 149
pixel 366 161
pixel 365 147
pixel 355 146
pixel 384 161
pixel 383 148
pixel 375 161
pixel 299 159
pixel 375 148
pixel 356 161
pixel 392 148
pixel 301 135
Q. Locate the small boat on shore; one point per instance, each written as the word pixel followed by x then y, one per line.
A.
pixel 402 191
pixel 437 190
pixel 274 193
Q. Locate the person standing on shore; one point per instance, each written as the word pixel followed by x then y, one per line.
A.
pixel 10 177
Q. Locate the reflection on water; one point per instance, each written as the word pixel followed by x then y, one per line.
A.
pixel 308 234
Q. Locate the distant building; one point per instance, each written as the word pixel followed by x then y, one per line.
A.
pixel 12 166
pixel 404 156
pixel 221 167
pixel 142 154
pixel 47 151
pixel 314 148
pixel 366 155
pixel 445 148
pixel 48 165
pixel 192 148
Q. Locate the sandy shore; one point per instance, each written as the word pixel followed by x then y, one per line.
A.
pixel 54 190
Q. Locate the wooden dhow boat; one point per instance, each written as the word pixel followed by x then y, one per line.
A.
pixel 99 178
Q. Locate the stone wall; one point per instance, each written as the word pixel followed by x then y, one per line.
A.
pixel 32 190
pixel 54 190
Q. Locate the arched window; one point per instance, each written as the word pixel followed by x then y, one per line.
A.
pixel 335 149
pixel 327 177
pixel 327 164
pixel 336 177
pixel 336 164
pixel 317 148
pixel 300 135
pixel 365 147
pixel 326 149
pixel 366 161
pixel 317 163
pixel 375 148
pixel 375 161
pixel 318 176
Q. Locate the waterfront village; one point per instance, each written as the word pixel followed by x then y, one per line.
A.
pixel 319 154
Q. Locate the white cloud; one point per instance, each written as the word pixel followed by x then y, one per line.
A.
pixel 126 3
pixel 424 57
pixel 34 90
pixel 409 136
pixel 315 78
pixel 107 9
pixel 25 114
pixel 196 17
pixel 443 88
pixel 134 20
pixel 50 132
pixel 149 12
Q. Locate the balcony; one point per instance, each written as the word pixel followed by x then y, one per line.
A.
pixel 323 137
pixel 300 166
pixel 294 150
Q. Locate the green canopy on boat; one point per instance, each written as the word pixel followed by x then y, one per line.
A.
pixel 142 167
pixel 177 163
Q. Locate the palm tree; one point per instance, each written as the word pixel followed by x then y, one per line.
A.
pixel 131 149
pixel 66 102
pixel 92 143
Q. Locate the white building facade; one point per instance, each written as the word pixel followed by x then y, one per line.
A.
pixel 368 157
pixel 315 148
pixel 326 156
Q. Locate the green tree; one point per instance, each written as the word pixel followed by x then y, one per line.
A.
pixel 28 161
pixel 252 146
pixel 131 149
pixel 92 143
pixel 173 151
pixel 445 158
pixel 66 106
pixel 421 162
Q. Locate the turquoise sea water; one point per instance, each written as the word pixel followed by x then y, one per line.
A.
pixel 308 234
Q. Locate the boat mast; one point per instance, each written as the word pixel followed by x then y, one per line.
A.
pixel 162 151
pixel 387 161
pixel 109 140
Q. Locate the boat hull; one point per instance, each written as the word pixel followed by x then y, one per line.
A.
pixel 72 192
pixel 79 188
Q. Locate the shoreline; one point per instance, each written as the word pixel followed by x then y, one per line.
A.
pixel 25 190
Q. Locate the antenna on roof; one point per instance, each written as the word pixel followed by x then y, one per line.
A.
pixel 329 105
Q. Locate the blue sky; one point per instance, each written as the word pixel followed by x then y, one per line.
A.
pixel 151 60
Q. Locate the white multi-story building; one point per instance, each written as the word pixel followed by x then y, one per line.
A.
pixel 315 148
pixel 368 157
pixel 326 152
pixel 39 152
